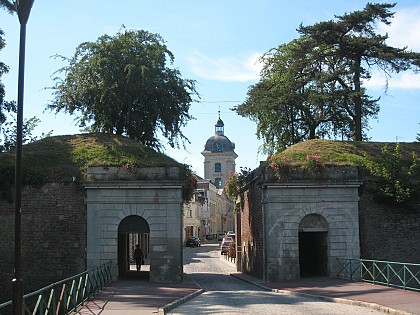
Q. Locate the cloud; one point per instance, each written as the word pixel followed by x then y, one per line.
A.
pixel 241 67
pixel 405 80
pixel 404 30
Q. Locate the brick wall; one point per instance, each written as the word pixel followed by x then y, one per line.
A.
pixel 53 236
pixel 388 231
pixel 252 231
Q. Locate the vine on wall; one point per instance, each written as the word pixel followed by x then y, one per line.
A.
pixel 394 176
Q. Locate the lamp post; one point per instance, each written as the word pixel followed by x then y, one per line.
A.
pixel 23 8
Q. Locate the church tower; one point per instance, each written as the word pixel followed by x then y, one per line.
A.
pixel 219 156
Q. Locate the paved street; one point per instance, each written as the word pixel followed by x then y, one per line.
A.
pixel 225 294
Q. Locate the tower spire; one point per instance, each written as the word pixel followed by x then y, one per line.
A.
pixel 219 127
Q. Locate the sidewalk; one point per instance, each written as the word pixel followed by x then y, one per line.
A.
pixel 386 299
pixel 142 297
pixel 139 297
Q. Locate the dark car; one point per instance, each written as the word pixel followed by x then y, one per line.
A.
pixel 193 241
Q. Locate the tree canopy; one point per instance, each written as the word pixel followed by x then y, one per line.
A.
pixel 122 85
pixel 4 106
pixel 312 87
pixel 3 69
pixel 8 5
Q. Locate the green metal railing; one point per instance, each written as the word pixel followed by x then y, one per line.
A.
pixel 394 274
pixel 65 296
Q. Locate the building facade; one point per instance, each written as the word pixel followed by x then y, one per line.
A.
pixel 219 156
pixel 304 226
pixel 210 212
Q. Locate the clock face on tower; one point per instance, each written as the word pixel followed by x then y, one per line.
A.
pixel 217 147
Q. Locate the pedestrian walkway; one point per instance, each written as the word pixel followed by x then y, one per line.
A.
pixel 386 299
pixel 138 297
pixel 143 297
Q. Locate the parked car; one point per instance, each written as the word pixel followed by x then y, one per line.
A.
pixel 193 241
pixel 224 247
pixel 231 234
pixel 228 238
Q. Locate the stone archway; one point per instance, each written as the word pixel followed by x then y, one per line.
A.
pixel 313 246
pixel 133 230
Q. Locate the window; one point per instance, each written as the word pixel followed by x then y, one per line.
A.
pixel 217 167
pixel 218 182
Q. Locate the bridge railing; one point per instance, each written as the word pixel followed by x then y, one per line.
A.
pixel 394 274
pixel 65 296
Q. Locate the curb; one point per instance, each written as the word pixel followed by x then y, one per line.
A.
pixel 166 308
pixel 375 306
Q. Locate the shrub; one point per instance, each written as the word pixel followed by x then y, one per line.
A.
pixel 314 164
pixel 281 166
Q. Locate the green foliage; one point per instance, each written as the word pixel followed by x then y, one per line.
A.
pixel 3 70
pixel 9 132
pixel 232 250
pixel 7 179
pixel 394 177
pixel 281 165
pixel 395 170
pixel 236 181
pixel 353 40
pixel 190 180
pixel 122 85
pixel 314 164
pixel 65 159
pixel 312 87
pixel 7 5
pixel 233 184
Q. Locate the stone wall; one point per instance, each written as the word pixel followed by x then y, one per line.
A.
pixel 60 238
pixel 53 236
pixel 272 213
pixel 285 206
pixel 387 232
pixel 155 199
pixel 160 205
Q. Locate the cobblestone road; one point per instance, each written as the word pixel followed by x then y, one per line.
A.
pixel 227 295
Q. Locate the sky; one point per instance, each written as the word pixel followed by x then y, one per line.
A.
pixel 215 42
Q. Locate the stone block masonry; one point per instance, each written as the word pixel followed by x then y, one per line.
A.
pixel 68 228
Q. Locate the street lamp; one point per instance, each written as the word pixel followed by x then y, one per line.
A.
pixel 23 8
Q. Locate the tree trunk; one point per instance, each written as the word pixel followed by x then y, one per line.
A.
pixel 357 103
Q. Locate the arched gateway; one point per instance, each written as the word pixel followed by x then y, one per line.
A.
pixel 307 227
pixel 122 213
pixel 313 246
pixel 132 230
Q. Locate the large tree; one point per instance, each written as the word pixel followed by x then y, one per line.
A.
pixel 312 86
pixel 356 42
pixel 298 98
pixel 121 84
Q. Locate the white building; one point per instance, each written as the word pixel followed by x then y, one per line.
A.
pixel 210 212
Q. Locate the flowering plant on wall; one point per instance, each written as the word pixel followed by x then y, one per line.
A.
pixel 130 166
pixel 281 166
pixel 314 164
pixel 236 181
pixel 233 184
pixel 190 184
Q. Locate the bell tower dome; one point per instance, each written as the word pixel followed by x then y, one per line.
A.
pixel 219 156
